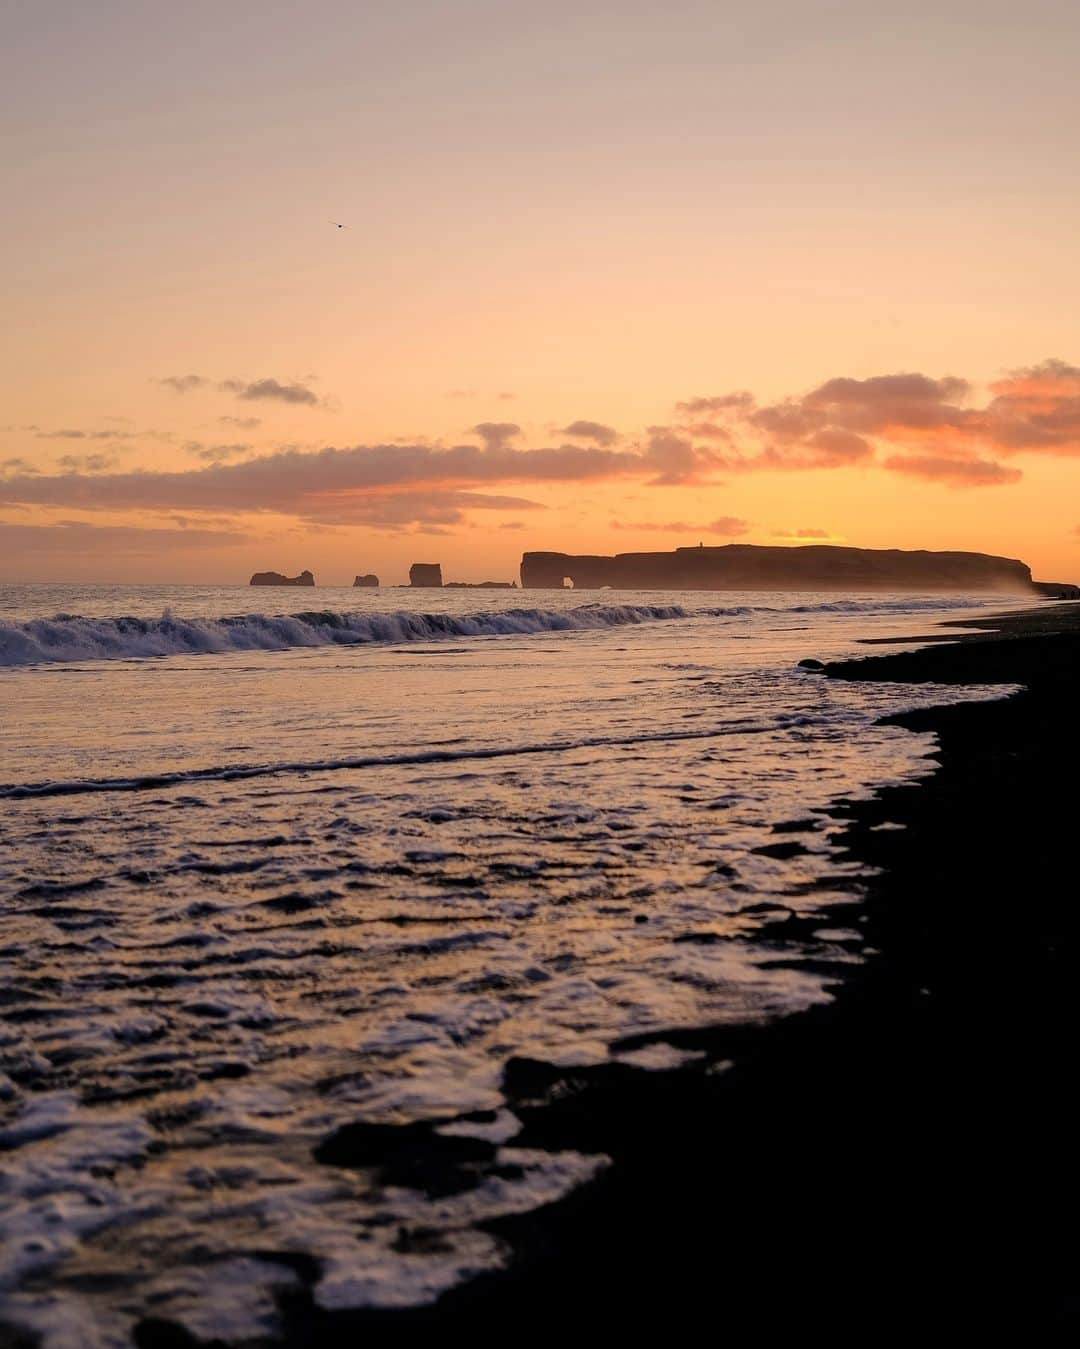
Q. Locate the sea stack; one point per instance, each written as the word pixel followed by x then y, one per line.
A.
pixel 369 580
pixel 426 574
pixel 275 578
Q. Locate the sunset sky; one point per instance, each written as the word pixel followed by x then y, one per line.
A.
pixel 616 276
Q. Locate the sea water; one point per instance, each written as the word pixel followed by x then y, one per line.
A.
pixel 275 861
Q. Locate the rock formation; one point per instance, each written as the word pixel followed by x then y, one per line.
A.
pixel 480 585
pixel 275 578
pixel 425 574
pixel 1057 590
pixel 741 566
pixel 369 580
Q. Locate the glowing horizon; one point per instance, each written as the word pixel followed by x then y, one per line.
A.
pixel 613 280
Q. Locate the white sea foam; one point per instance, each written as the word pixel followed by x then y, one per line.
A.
pixel 261 899
pixel 71 637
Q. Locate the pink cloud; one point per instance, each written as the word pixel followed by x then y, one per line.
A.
pixel 497 435
pixel 936 428
pixel 597 432
pixel 76 538
pixel 933 430
pixel 313 483
pixel 953 472
pixel 725 402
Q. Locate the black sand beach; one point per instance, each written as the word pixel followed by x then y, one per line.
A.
pixel 901 1160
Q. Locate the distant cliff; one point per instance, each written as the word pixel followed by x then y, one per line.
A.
pixel 275 578
pixel 370 579
pixel 479 585
pixel 743 566
pixel 1058 590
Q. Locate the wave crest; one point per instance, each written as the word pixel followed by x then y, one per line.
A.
pixel 68 637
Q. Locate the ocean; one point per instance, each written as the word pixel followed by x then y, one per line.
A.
pixel 276 862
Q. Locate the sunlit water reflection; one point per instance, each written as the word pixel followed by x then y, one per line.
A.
pixel 252 895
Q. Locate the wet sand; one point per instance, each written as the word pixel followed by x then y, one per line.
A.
pixel 901 1160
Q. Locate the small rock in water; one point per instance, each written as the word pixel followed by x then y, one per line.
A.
pixel 811 664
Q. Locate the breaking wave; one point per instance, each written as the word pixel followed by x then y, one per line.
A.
pixel 70 637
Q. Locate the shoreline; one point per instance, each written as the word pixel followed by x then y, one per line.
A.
pixel 895 1157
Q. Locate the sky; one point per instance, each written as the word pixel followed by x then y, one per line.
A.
pixel 615 276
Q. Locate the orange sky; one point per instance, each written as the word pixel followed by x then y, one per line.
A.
pixel 563 223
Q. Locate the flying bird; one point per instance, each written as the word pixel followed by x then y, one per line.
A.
pixel 339 224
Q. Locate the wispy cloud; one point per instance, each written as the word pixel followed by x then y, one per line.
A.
pixel 184 383
pixel 596 432
pixel 87 463
pixel 496 435
pixel 217 454
pixel 933 430
pixel 74 433
pixel 253 390
pixel 76 538
pixel 415 509
pixel 953 472
pixel 270 390
pixel 362 482
pixel 729 526
pixel 724 402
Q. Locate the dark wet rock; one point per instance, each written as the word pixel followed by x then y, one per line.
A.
pixel 411 1155
pixel 275 578
pixel 369 580
pixel 810 663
